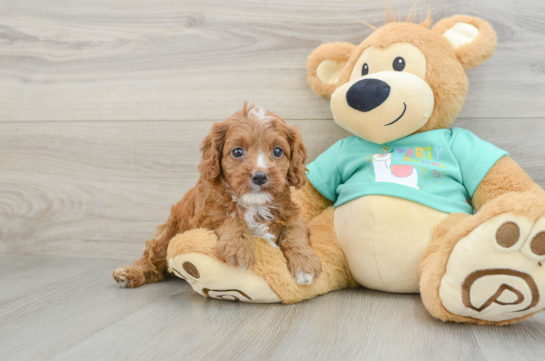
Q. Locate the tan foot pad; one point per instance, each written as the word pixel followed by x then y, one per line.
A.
pixel 497 272
pixel 214 279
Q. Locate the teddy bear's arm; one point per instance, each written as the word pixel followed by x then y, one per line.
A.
pixel 310 201
pixel 505 176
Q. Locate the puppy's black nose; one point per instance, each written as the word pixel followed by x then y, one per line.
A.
pixel 367 94
pixel 260 178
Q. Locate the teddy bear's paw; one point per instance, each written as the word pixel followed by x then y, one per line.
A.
pixel 214 279
pixel 497 272
pixel 129 277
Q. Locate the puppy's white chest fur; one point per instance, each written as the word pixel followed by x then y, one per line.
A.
pixel 256 209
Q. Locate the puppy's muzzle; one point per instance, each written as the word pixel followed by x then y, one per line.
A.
pixel 260 178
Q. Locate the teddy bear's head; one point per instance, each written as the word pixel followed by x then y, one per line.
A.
pixel 404 78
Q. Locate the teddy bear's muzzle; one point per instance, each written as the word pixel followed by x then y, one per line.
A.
pixel 383 106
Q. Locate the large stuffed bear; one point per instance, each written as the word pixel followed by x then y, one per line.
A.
pixel 391 208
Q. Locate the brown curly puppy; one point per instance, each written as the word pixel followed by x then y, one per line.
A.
pixel 249 161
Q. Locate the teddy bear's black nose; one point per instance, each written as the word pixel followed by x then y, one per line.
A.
pixel 367 94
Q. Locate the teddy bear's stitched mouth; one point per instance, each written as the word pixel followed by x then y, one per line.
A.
pixel 404 109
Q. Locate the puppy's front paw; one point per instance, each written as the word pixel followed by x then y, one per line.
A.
pixel 304 278
pixel 305 266
pixel 238 254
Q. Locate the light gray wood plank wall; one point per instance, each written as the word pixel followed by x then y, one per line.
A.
pixel 193 59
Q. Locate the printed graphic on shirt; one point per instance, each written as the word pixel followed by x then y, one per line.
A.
pixel 405 172
pixel 401 174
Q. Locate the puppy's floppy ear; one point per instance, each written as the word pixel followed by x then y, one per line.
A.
pixel 211 149
pixel 297 172
pixel 325 65
pixel 473 39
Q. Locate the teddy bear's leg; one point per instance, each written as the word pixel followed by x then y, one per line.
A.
pixel 192 256
pixel 488 268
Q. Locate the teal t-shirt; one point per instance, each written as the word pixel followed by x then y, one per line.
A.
pixel 441 169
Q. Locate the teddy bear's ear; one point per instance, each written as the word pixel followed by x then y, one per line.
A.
pixel 473 39
pixel 325 65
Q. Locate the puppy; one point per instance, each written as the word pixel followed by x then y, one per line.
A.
pixel 249 161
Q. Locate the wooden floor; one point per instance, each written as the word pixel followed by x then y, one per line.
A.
pixel 103 104
pixel 69 309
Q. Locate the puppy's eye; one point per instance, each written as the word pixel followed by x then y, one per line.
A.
pixel 237 152
pixel 365 69
pixel 399 64
pixel 278 152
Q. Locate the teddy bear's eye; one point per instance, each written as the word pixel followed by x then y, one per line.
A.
pixel 365 69
pixel 399 64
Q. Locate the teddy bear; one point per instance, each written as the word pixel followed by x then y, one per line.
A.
pixel 406 204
